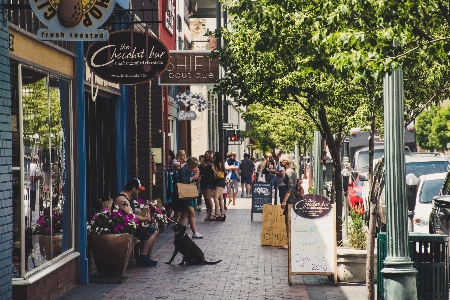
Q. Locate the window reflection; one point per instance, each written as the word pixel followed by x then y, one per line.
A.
pixel 41 196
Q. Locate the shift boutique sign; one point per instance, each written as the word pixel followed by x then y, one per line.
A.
pixel 72 20
pixel 128 57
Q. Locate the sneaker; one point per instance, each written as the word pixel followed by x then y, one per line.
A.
pixel 249 195
pixel 243 195
pixel 197 235
pixel 146 262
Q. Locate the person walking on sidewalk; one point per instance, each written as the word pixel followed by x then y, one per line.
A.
pixel 190 173
pixel 199 198
pixel 219 173
pixel 247 168
pixel 291 183
pixel 207 183
pixel 280 173
pixel 146 234
pixel 232 167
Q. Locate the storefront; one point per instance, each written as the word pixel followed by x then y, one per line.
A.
pixel 42 99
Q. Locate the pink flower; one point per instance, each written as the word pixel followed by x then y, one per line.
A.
pixel 140 201
pixel 116 229
pixel 120 226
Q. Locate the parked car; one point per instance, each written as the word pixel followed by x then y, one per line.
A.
pixel 417 163
pixel 440 212
pixel 428 188
pixel 355 190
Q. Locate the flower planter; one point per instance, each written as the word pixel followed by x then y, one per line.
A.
pixel 111 253
pixel 47 241
pixel 351 265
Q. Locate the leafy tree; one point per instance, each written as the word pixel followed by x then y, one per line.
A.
pixel 440 128
pixel 278 126
pixel 423 128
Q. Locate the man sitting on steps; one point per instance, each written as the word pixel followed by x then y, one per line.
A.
pixel 146 233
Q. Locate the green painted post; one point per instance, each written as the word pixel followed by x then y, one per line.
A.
pixel 399 274
pixel 318 169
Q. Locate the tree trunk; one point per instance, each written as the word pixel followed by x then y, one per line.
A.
pixel 334 145
pixel 370 282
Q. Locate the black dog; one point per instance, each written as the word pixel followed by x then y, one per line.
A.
pixel 192 254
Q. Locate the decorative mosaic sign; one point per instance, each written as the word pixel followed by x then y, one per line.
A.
pixel 72 20
pixel 128 57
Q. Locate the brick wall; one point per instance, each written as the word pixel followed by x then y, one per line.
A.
pixel 141 136
pixel 157 135
pixel 49 287
pixel 5 167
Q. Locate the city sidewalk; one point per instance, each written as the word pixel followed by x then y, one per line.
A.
pixel 247 271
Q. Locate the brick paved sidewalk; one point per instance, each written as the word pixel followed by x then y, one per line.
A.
pixel 247 271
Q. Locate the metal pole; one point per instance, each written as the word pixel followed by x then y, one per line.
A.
pixel 398 272
pixel 318 169
pixel 297 160
pixel 220 96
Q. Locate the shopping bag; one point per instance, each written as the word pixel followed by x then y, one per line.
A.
pixel 187 191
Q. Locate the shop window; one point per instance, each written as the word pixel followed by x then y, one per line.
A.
pixel 41 165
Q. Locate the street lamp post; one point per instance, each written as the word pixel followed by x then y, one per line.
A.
pixel 398 273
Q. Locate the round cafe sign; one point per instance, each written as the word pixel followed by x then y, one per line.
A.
pixel 128 57
pixel 312 206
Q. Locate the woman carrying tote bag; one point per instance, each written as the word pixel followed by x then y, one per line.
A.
pixel 188 174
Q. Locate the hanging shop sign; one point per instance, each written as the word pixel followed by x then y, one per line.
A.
pixel 191 67
pixel 187 115
pixel 72 20
pixel 128 57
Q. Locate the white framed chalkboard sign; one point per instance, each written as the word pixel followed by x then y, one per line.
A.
pixel 312 237
pixel 261 194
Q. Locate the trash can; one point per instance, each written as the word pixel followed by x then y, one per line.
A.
pixel 429 253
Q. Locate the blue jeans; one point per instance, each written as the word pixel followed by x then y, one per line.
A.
pixel 281 192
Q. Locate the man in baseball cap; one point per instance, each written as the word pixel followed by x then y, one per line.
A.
pixel 146 234
pixel 134 182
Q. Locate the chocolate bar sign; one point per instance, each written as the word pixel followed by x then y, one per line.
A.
pixel 128 57
pixel 72 20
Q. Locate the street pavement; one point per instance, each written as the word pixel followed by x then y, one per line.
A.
pixel 247 271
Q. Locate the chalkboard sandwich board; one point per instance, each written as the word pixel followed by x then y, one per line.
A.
pixel 261 194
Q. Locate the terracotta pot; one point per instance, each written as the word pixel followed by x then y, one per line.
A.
pixel 111 253
pixel 45 242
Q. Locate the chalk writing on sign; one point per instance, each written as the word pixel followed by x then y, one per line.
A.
pixel 312 236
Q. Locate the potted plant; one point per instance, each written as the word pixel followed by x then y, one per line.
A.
pixel 351 259
pixel 49 228
pixel 158 214
pixel 111 240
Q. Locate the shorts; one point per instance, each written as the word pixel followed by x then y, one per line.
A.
pixel 144 233
pixel 220 182
pixel 207 186
pixel 232 186
pixel 247 180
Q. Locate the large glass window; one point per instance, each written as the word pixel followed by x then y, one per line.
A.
pixel 42 189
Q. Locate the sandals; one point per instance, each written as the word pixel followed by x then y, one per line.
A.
pixel 209 218
pixel 222 218
pixel 216 218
